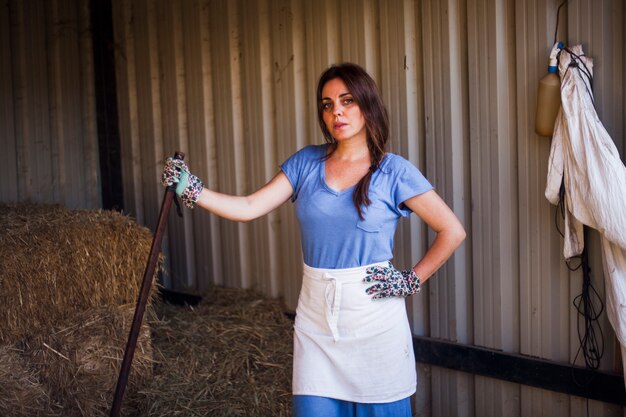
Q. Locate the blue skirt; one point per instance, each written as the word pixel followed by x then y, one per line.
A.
pixel 313 406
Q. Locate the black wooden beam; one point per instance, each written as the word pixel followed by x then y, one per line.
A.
pixel 179 298
pixel 521 369
pixel 106 104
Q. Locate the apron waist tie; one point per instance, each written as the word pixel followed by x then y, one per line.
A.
pixel 333 303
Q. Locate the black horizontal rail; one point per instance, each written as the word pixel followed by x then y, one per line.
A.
pixel 521 369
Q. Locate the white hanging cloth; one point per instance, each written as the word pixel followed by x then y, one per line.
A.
pixel 586 160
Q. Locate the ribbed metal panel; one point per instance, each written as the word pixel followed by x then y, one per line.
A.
pixel 47 104
pixel 494 192
pixel 444 61
pixel 544 293
pixel 231 83
pixel 599 27
pixel 8 158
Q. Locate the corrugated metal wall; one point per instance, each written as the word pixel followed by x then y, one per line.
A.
pixel 47 104
pixel 231 83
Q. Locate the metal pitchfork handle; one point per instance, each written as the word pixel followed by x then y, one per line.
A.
pixel 144 292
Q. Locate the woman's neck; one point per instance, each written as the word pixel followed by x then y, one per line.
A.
pixel 351 151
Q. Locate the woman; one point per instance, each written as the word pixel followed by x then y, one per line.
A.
pixel 352 341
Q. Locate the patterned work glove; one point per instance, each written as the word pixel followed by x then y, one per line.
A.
pixel 391 282
pixel 188 186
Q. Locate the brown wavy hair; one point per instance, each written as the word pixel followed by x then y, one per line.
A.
pixel 365 93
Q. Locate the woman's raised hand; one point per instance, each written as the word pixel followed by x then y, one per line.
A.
pixel 188 186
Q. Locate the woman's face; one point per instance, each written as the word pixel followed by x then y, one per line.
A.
pixel 342 116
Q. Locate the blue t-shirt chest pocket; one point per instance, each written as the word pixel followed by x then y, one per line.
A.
pixel 373 218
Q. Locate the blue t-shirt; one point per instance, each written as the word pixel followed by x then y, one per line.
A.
pixel 332 234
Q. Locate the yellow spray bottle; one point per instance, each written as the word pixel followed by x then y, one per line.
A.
pixel 549 96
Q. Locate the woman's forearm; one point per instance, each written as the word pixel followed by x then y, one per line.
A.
pixel 250 207
pixel 444 245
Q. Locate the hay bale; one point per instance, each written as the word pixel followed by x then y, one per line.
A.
pixel 69 280
pixel 79 364
pixel 229 356
pixel 68 284
pixel 56 263
pixel 21 393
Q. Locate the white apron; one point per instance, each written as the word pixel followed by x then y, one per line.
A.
pixel 348 346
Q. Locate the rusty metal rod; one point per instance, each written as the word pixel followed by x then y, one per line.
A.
pixel 142 300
